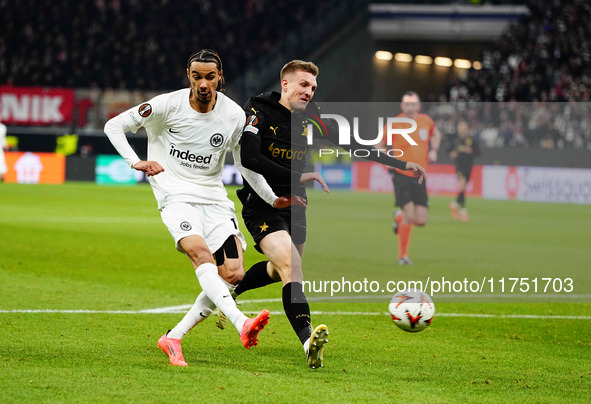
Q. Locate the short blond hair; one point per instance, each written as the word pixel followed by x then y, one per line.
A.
pixel 296 65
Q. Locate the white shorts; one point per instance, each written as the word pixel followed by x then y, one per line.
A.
pixel 214 223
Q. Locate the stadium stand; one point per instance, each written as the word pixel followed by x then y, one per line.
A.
pixel 127 44
pixel 545 57
pixel 133 45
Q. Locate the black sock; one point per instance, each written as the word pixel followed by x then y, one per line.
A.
pixel 461 199
pixel 255 277
pixel 297 310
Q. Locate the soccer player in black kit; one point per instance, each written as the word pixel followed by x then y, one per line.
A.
pixel 269 148
pixel 463 150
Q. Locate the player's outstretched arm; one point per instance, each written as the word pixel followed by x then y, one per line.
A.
pixel 115 130
pixel 377 153
pixel 435 144
pixel 287 201
pixel 314 176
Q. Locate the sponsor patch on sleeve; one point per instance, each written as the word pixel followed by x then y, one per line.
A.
pixel 250 128
pixel 145 110
pixel 134 119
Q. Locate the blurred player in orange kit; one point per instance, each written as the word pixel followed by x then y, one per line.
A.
pixel 411 196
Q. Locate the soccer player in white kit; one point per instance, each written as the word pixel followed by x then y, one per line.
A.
pixel 189 132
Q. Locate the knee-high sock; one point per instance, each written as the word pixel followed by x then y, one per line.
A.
pixel 201 309
pixel 255 277
pixel 297 310
pixel 461 199
pixel 404 230
pixel 217 291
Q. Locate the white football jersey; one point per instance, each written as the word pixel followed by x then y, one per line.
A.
pixel 191 146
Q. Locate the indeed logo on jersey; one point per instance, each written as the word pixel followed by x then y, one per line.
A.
pixel 189 157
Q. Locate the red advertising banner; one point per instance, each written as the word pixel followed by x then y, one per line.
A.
pixel 36 105
pixel 441 179
pixel 35 168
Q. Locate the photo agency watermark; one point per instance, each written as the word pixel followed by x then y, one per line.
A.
pixel 355 130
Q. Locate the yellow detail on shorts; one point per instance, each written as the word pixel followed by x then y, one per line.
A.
pixel 264 227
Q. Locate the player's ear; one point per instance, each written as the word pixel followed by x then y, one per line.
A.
pixel 284 84
pixel 221 81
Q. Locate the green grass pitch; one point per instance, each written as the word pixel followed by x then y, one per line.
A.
pixel 105 250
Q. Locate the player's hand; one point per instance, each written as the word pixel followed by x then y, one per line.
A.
pixel 149 167
pixel 284 201
pixel 417 170
pixel 315 176
pixel 432 156
pixel 453 154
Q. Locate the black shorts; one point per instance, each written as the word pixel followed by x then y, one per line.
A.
pixel 261 220
pixel 464 170
pixel 407 189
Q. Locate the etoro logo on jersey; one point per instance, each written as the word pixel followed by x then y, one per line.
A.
pixel 189 159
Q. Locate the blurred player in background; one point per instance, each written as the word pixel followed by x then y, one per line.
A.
pixel 189 132
pixel 411 194
pixel 269 147
pixel 463 150
pixel 3 168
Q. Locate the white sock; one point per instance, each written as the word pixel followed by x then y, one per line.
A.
pixel 201 309
pixel 216 290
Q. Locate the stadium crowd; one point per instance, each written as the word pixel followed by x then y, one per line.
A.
pixel 132 44
pixel 518 124
pixel 129 44
pixel 544 58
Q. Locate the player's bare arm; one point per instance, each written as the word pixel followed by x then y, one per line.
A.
pixel 435 143
pixel 287 201
pixel 417 170
pixel 315 176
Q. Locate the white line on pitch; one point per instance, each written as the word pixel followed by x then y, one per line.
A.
pixel 182 309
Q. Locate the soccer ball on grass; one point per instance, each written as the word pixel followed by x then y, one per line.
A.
pixel 412 310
